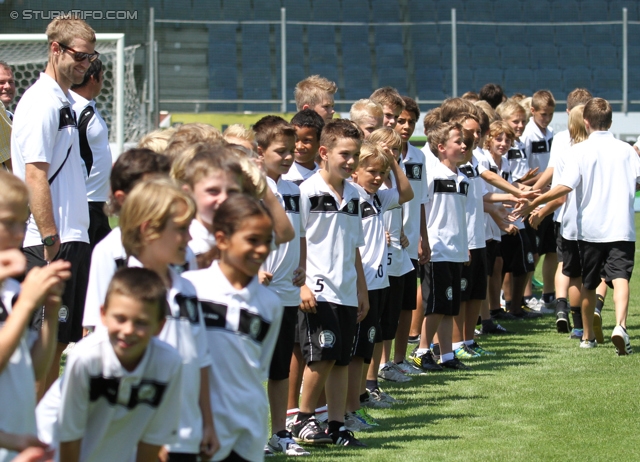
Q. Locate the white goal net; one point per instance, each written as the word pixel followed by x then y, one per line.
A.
pixel 119 102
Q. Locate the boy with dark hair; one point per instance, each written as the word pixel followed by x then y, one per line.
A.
pixel 492 94
pixel 308 126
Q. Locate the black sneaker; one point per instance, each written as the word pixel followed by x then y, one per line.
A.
pixel 522 314
pixel 494 329
pixel 455 364
pixel 310 432
pixel 426 362
pixel 563 326
pixel 504 315
pixel 344 437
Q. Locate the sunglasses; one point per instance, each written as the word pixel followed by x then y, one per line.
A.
pixel 79 56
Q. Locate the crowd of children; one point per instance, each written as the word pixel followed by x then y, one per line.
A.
pixel 309 254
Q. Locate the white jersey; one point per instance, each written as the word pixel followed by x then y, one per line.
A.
pixel 602 164
pixel 202 240
pixel 559 149
pixel 485 162
pixel 107 256
pixel 334 231
pixel 297 173
pixel 475 204
pixel 414 167
pixel 284 260
pixel 374 251
pixel 398 261
pixel 94 148
pixel 17 380
pixel 243 326
pixel 109 408
pixel 45 130
pixel 505 174
pixel 518 160
pixel 537 145
pixel 445 215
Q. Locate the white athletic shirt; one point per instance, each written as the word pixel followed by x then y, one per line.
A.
pixel 485 162
pixel 201 239
pixel 333 230
pixel 284 260
pixel 107 256
pixel 374 251
pixel 108 407
pixel 603 172
pixel 17 380
pixel 414 167
pixel 297 173
pixel 537 146
pixel 559 149
pixel 94 148
pixel 445 215
pixel 45 130
pixel 242 326
pixel 475 204
pixel 505 173
pixel 398 261
pixel 518 160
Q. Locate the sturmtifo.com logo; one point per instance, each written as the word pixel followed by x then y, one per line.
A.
pixel 97 15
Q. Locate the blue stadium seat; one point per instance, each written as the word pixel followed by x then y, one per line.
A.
pixel 507 11
pixel 327 10
pixel 422 10
pixel 357 82
pixel 357 11
pixel 634 82
pixel 295 73
pixel 223 52
pixel 395 77
pixel 356 54
pixel 294 35
pixel 576 77
pixel 328 71
pixel 222 33
pixel 569 35
pixel 298 10
pixel 388 34
pixel 515 56
pixel 429 76
pixel 604 56
pixel 544 56
pixel 223 76
pixel 423 36
pixel 599 35
pixel 565 11
pixel 236 10
pixel 427 94
pixel 477 11
pixel 483 76
pixel 354 34
pixel 323 53
pixel 615 10
pixel 321 34
pixel 223 93
pixel 518 81
pixel 607 83
pixel 428 55
pixel 548 79
pixel 538 11
pixel 211 11
pixel 591 10
pixel 463 56
pixel 485 55
pixel 295 53
pixel 385 10
pixel 475 34
pixel 465 81
pixel 572 55
pixel 266 10
pixel 539 35
pixel 511 35
pixel 443 9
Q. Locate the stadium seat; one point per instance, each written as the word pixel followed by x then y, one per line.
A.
pixel 356 54
pixel 222 33
pixel 395 77
pixel 223 93
pixel 385 10
pixel 354 34
pixel 327 10
pixel 514 56
pixel 475 34
pixel 357 82
pixel 443 9
pixel 576 77
pixel 295 73
pixel 465 81
pixel 211 11
pixel 485 55
pixel 544 56
pixel 634 82
pixel 572 55
pixel 478 11
pixel 389 35
pixel 600 35
pixel 224 52
pixel 607 83
pixel 537 11
pixel 357 11
pixel 295 53
pixel 223 76
pixel 518 81
pixel 615 10
pixel 321 34
pixel 604 56
pixel 424 36
pixel 328 71
pixel 236 10
pixel 548 79
pixel 323 53
pixel 511 35
pixel 294 35
pixel 298 10
pixel 429 77
pixel 266 10
pixel 564 11
pixel 427 94
pixel 421 10
pixel 569 35
pixel 507 11
pixel 536 36
pixel 428 55
pixel 591 10
pixel 483 76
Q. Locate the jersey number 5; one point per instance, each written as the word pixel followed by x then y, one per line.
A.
pixel 319 285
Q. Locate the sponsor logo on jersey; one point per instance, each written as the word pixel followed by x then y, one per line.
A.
pixel 147 392
pixel 327 339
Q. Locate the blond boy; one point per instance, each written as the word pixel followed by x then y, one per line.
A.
pixel 317 93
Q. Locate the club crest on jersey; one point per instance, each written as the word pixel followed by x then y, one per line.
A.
pixel 254 327
pixel 327 339
pixel 530 257
pixel 449 293
pixel 190 305
pixel 350 207
pixel 292 203
pixel 372 334
pixel 63 314
pixel 463 284
pixel 147 392
pixel 416 171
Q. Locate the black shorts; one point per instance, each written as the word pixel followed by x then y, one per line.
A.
pixel 281 359
pixel 390 313
pixel 410 288
pixel 182 457
pixel 328 334
pixel 558 242
pixel 75 290
pixel 608 260
pixel 517 254
pixel 473 284
pixel 532 235
pixel 368 330
pixel 546 234
pixel 444 297
pixel 570 251
pixel 98 223
pixel 493 252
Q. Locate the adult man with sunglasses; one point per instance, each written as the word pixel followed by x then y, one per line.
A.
pixel 46 155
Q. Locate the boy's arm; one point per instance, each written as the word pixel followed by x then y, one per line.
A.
pixel 308 300
pixel 537 215
pixel 361 283
pixel 496 197
pixel 70 450
pixel 405 191
pixel 147 452
pixel 19 443
pixel 558 191
pixel 496 180
pixel 425 249
pixel 544 179
pixel 210 443
pixel 281 225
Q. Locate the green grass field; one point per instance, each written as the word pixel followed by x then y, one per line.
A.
pixel 540 398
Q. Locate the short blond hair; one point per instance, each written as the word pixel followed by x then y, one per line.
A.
pixel 441 134
pixel 577 129
pixel 487 109
pixel 239 131
pixel 312 90
pixel 526 104
pixel 189 134
pixel 388 96
pixel 371 153
pixel 542 98
pixel 155 202
pixel 363 108
pixel 157 140
pixel 496 129
pixel 64 29
pixel 387 136
pixel 182 159
pixel 14 191
pixel 254 180
pixel 206 161
pixel 510 107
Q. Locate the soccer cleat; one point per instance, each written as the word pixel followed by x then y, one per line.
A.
pixel 426 362
pixel 284 445
pixel 309 432
pixel 409 369
pixel 563 326
pixel 576 334
pixel 454 364
pixel 504 315
pixel 503 302
pixel 354 424
pixel 364 415
pixel 390 372
pixel 620 340
pixel 597 327
pixel 413 352
pixel 538 306
pixel 588 344
pixel 375 401
pixel 525 314
pixel 465 353
pixel 344 437
pixel 481 351
pixel 387 398
pixel 477 332
pixel 494 329
pixel 292 414
pixel 413 339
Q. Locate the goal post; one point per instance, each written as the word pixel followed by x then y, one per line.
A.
pixel 118 102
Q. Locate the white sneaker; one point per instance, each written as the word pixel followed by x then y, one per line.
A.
pixel 285 445
pixel 374 401
pixel 538 306
pixel 353 423
pixel 291 418
pixel 620 340
pixel 409 369
pixel 503 302
pixel 588 344
pixel 388 398
pixel 390 372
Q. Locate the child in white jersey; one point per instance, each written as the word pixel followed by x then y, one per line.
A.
pixel 243 319
pixel 308 125
pixel 121 388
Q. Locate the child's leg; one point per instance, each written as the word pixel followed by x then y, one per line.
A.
pixel 336 385
pixel 296 370
pixel 354 389
pixel 588 305
pixel 315 377
pixel 457 334
pixel 471 318
pixel 445 329
pixel 418 315
pixel 621 300
pixel 277 390
pixel 429 329
pixel 404 323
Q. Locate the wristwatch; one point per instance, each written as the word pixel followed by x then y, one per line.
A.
pixel 50 240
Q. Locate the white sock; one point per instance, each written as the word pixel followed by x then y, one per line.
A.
pixel 457 345
pixel 469 342
pixel 421 351
pixel 446 357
